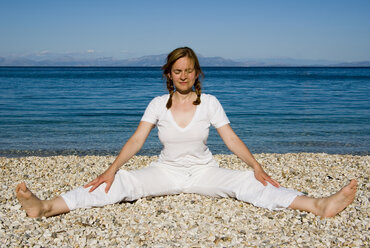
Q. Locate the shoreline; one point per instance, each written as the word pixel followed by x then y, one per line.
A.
pixel 186 220
pixel 148 152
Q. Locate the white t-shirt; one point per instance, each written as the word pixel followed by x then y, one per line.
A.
pixel 185 146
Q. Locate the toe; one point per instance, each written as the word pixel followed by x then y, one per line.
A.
pixel 22 186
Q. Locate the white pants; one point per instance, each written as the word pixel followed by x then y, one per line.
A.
pixel 159 179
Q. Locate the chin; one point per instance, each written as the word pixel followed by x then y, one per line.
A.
pixel 183 91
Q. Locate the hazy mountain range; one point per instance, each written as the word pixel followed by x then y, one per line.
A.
pixel 159 60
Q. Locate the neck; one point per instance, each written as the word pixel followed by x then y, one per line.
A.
pixel 184 96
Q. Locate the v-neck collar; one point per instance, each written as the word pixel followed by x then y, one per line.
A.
pixel 183 129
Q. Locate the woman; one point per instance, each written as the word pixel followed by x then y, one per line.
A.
pixel 185 165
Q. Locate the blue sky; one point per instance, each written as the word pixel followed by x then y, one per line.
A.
pixel 329 30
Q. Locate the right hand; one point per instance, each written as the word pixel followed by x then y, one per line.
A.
pixel 106 177
pixel 262 176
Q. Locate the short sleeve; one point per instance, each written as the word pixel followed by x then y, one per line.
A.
pixel 217 116
pixel 151 112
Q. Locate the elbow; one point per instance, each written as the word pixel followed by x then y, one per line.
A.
pixel 232 143
pixel 136 143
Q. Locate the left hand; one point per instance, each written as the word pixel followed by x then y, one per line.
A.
pixel 106 177
pixel 262 176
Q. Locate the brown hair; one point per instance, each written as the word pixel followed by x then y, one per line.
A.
pixel 171 59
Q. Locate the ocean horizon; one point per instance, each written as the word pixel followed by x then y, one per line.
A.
pixel 94 110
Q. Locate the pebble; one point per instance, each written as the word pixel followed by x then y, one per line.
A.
pixel 185 220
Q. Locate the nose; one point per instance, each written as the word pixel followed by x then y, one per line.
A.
pixel 184 74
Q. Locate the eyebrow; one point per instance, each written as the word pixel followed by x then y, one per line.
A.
pixel 185 69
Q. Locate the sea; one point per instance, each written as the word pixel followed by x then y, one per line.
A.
pixel 48 111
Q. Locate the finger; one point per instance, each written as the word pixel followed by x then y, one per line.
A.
pixel 90 183
pixel 262 181
pixel 272 181
pixel 108 187
pixel 94 187
pixel 276 182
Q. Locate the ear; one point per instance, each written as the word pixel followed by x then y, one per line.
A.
pixel 169 75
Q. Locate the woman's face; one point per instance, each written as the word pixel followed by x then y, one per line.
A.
pixel 183 75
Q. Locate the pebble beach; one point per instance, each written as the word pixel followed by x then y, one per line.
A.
pixel 186 220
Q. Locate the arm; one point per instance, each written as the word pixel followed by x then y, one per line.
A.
pixel 237 146
pixel 132 146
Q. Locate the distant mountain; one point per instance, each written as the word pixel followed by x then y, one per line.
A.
pixel 150 60
pixel 217 61
pixel 159 60
pixel 60 61
pixel 16 61
pixel 354 64
pixel 285 61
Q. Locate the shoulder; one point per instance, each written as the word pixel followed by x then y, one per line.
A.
pixel 158 100
pixel 162 97
pixel 209 99
pixel 155 108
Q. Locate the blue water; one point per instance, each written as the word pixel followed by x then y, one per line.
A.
pixel 46 111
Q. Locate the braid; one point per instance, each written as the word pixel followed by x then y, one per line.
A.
pixel 171 89
pixel 198 91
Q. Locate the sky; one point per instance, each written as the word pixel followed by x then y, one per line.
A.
pixel 324 30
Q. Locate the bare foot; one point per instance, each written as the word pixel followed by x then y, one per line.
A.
pixel 30 203
pixel 334 204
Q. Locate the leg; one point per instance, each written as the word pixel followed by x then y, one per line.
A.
pixel 35 207
pixel 242 185
pixel 328 206
pixel 127 186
